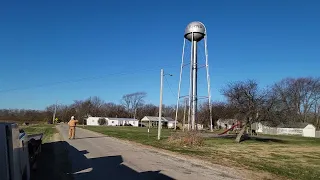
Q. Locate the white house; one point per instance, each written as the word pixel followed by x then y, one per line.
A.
pixel 112 121
pixel 123 122
pixel 170 122
pixel 94 121
pixel 166 121
pixel 226 123
pixel 153 121
pixel 199 126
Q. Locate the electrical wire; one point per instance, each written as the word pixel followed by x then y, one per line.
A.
pixel 169 86
pixel 81 79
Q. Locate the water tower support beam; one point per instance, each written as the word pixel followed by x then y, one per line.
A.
pixel 179 88
pixel 194 84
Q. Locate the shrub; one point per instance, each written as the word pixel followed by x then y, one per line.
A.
pixel 191 138
pixel 102 121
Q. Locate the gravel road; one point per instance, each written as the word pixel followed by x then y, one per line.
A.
pixel 97 157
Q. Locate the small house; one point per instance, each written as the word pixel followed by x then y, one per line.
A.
pixel 152 121
pixel 123 122
pixel 309 131
pixel 226 123
pixel 170 122
pixel 198 126
pixel 94 121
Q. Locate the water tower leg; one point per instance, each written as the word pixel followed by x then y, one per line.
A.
pixel 194 83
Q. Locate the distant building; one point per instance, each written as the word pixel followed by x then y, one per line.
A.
pixel 198 126
pixel 226 123
pixel 94 121
pixel 152 121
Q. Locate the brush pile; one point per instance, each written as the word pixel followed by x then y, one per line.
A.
pixel 191 138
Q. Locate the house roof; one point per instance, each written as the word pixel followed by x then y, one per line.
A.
pixel 122 119
pixel 155 118
pixel 116 119
pixel 95 117
pixel 168 118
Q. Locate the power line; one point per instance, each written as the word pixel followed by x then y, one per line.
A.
pixel 81 79
pixel 169 86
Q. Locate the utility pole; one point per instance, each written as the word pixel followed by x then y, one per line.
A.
pixel 160 105
pixel 54 113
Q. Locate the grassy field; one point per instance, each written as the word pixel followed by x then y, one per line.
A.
pixel 288 156
pixel 47 129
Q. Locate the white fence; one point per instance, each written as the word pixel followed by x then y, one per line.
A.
pixel 290 131
pixel 282 131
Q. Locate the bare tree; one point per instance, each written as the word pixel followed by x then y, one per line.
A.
pixel 248 100
pixel 113 110
pixel 168 111
pixel 95 104
pixel 133 101
pixel 147 110
pixel 317 114
pixel 221 110
pixel 297 97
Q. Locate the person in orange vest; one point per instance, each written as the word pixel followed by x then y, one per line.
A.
pixel 72 127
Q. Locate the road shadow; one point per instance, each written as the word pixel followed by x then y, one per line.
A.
pixel 266 139
pixel 53 163
pixel 109 167
pixel 60 160
pixel 90 137
pixel 246 137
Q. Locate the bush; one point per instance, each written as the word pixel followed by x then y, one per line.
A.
pixel 186 139
pixel 102 121
pixel 180 126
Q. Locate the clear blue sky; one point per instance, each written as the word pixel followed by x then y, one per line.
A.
pixel 124 44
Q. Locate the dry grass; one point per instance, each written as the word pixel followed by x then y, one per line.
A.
pixel 186 139
pixel 47 130
pixel 294 158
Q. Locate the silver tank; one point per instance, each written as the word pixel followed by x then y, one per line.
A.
pixel 197 29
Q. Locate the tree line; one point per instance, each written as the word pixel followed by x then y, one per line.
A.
pixel 291 100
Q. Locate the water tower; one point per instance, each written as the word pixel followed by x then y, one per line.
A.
pixel 194 33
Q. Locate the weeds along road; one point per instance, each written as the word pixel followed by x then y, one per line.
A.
pixel 95 156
